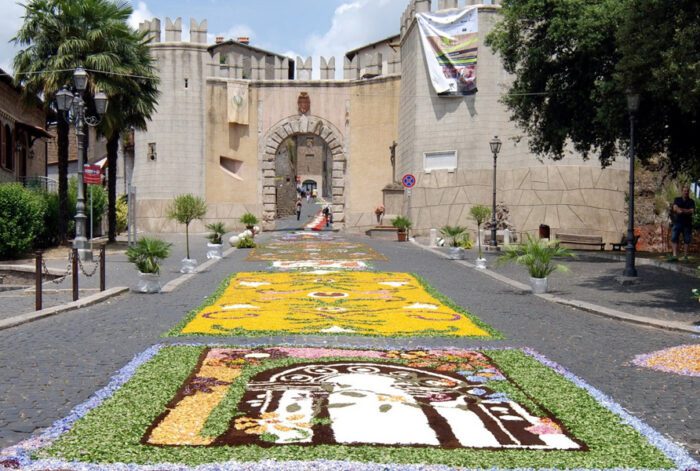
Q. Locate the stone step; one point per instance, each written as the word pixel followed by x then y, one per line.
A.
pixel 382 232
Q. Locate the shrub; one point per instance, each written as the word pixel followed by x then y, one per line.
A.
pixel 21 219
pixel 147 253
pixel 246 243
pixel 99 204
pixel 454 232
pixel 537 255
pixel 402 223
pixel 249 219
pixel 122 214
pixel 218 229
pixel 48 236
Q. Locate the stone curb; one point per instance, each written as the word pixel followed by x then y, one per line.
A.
pixel 585 306
pixel 29 269
pixel 87 301
pixel 172 285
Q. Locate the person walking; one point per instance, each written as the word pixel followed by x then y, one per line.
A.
pixel 682 215
pixel 298 208
pixel 327 215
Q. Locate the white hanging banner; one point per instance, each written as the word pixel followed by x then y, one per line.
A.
pixel 450 42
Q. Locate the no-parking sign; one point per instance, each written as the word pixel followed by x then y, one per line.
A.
pixel 408 180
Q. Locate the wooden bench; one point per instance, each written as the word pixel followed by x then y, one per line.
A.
pixel 623 243
pixel 578 239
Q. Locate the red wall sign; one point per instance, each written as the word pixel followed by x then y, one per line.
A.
pixel 92 174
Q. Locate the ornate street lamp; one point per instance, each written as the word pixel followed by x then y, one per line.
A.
pixel 632 108
pixel 74 106
pixel 495 149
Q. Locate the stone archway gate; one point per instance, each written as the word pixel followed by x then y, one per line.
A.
pixel 270 143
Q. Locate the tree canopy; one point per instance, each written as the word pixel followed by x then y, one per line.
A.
pixel 573 61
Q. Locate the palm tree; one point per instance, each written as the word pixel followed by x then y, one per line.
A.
pixel 133 99
pixel 59 35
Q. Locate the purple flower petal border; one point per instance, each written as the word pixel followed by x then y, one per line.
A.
pixel 19 454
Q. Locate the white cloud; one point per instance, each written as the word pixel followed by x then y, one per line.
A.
pixel 141 13
pixel 10 20
pixel 355 24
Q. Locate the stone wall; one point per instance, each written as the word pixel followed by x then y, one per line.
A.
pixel 571 195
pixel 177 129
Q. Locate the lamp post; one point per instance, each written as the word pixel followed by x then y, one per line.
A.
pixel 74 106
pixel 632 108
pixel 495 149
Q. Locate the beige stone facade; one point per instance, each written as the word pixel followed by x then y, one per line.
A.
pixel 226 111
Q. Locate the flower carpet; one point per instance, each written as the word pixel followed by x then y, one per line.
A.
pixel 320 265
pixel 682 360
pixel 313 250
pixel 352 303
pixel 219 407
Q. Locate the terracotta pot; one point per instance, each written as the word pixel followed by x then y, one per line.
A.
pixel 402 235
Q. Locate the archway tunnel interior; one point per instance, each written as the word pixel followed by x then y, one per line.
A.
pixel 303 162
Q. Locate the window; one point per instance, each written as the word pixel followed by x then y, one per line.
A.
pixel 446 160
pixel 152 154
pixel 9 162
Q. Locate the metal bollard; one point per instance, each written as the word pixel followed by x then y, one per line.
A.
pixel 37 281
pixel 103 263
pixel 75 273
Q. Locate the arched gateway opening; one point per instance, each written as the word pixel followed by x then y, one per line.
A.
pixel 297 132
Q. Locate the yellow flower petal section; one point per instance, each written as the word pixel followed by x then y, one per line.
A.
pixel 182 424
pixel 364 303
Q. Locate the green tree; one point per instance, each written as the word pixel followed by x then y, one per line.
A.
pixel 573 60
pixel 185 209
pixel 56 37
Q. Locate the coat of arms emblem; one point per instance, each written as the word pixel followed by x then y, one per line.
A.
pixel 304 103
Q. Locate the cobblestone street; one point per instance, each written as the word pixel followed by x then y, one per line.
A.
pixel 50 366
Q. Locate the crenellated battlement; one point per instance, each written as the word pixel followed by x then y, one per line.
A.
pixel 173 30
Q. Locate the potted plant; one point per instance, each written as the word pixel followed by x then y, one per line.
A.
pixel 455 233
pixel 246 243
pixel 146 254
pixel 402 224
pixel 185 209
pixel 249 221
pixel 480 213
pixel 537 255
pixel 215 236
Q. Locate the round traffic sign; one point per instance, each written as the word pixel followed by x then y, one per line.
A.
pixel 408 180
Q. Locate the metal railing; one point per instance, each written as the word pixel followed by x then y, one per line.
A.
pixel 39 183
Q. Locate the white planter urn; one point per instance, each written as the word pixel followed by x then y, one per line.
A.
pixel 456 253
pixel 539 285
pixel 148 283
pixel 481 263
pixel 214 251
pixel 189 265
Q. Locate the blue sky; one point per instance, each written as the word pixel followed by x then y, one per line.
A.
pixel 294 27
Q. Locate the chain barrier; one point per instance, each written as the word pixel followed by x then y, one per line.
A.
pixel 60 279
pixel 94 268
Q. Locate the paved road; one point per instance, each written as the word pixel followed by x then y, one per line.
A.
pixel 49 366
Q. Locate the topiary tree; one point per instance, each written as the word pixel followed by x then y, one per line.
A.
pixel 21 219
pixel 480 213
pixel 185 209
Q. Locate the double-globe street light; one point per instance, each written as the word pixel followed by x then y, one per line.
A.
pixel 632 108
pixel 495 144
pixel 73 104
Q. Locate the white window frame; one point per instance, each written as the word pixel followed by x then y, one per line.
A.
pixel 449 168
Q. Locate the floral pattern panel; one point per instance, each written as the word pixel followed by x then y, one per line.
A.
pixel 314 250
pixel 422 398
pixel 353 303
